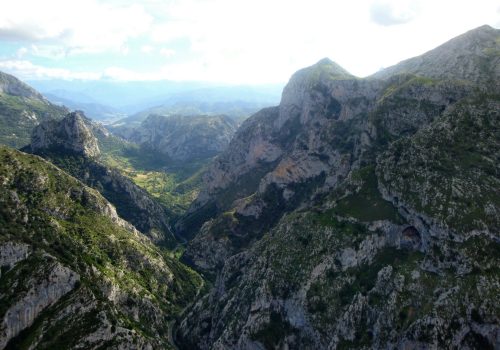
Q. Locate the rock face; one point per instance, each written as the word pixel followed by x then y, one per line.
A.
pixel 21 109
pixel 183 138
pixel 472 56
pixel 72 145
pixel 47 287
pixel 359 213
pixel 72 134
pixel 74 274
pixel 10 85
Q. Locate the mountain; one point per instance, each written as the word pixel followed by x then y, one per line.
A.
pixel 92 109
pixel 132 97
pixel 235 101
pixel 182 138
pixel 72 134
pixel 73 273
pixel 472 56
pixel 72 145
pixel 127 96
pixel 359 213
pixel 21 109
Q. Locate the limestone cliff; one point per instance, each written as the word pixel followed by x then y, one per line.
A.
pixel 359 213
pixel 74 274
pixel 72 145
pixel 183 138
pixel 72 134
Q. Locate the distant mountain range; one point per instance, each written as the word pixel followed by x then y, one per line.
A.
pixel 92 109
pixel 105 100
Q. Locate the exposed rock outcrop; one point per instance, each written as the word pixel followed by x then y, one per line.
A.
pixel 359 213
pixel 472 56
pixel 46 287
pixel 72 145
pixel 75 275
pixel 10 85
pixel 184 138
pixel 72 134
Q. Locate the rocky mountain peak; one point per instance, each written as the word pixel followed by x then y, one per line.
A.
pixel 309 85
pixel 10 85
pixel 72 134
pixel 324 69
pixel 473 56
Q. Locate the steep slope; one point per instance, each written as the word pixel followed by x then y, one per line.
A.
pixel 21 109
pixel 72 145
pixel 74 274
pixel 71 134
pixel 359 213
pixel 182 138
pixel 472 56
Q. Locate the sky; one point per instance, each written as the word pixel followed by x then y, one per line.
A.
pixel 223 41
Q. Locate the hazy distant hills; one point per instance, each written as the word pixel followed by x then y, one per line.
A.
pixel 94 110
pixel 145 97
pixel 237 102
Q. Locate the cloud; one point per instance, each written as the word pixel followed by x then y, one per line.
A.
pixel 77 26
pixel 26 70
pixel 167 52
pixel 388 13
pixel 147 49
pixel 123 74
pixel 21 52
pixel 48 51
pixel 226 40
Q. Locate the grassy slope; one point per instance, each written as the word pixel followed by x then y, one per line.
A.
pixel 56 214
pixel 174 184
pixel 16 124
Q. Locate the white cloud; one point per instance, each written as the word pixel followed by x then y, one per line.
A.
pixel 269 40
pixel 26 70
pixel 242 41
pixel 123 74
pixel 147 49
pixel 167 52
pixel 78 26
pixel 48 51
pixel 21 52
pixel 389 13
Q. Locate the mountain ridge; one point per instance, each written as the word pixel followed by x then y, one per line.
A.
pixel 72 145
pixel 330 219
pixel 21 109
pixel 472 56
pixel 74 274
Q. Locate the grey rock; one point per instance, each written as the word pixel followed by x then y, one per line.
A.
pixel 70 134
pixel 183 138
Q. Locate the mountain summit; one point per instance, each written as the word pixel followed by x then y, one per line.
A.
pixel 71 134
pixel 473 56
pixel 357 214
pixel 10 85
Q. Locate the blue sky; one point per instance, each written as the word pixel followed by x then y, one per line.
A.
pixel 226 41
